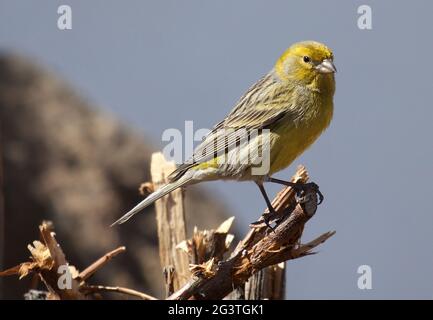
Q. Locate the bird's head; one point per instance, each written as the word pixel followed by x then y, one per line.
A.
pixel 308 63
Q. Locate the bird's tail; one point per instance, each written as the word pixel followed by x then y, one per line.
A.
pixel 164 190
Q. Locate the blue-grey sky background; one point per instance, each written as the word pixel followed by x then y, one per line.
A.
pixel 155 64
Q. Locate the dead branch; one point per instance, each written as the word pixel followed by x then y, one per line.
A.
pixel 98 264
pixel 46 260
pixel 283 202
pixel 95 289
pixel 259 249
pixel 269 283
pixel 49 262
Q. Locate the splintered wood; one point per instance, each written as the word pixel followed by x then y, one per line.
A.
pixel 49 262
pixel 170 217
pixel 62 280
pixel 260 249
pixel 208 244
pixel 267 284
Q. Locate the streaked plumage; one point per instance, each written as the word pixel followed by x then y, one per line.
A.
pixel 294 101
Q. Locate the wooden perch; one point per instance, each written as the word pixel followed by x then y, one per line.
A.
pixel 170 217
pixel 259 249
pixel 270 282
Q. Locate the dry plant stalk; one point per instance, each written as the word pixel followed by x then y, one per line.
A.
pixel 49 262
pixel 98 264
pixel 126 291
pixel 47 259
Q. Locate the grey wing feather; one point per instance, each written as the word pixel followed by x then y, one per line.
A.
pixel 244 117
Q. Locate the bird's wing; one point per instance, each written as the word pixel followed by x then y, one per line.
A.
pixel 255 110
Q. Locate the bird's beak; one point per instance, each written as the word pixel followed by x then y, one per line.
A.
pixel 327 66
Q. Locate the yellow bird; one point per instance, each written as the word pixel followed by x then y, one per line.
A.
pixel 276 120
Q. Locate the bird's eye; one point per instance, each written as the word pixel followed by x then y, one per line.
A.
pixel 306 59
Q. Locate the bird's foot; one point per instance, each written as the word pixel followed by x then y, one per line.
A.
pixel 300 188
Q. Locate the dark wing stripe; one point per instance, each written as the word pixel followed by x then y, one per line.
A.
pixel 253 111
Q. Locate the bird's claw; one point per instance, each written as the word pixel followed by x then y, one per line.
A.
pixel 301 188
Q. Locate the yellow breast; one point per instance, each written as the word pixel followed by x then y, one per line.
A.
pixel 289 140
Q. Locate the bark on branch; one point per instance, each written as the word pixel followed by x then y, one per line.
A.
pixel 259 249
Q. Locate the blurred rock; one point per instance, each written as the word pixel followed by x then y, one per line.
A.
pixel 65 161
